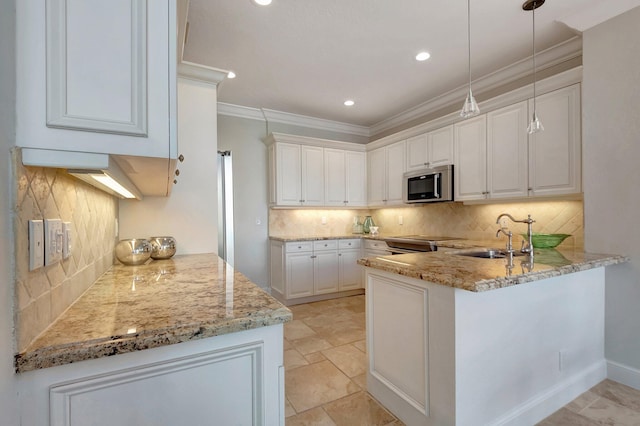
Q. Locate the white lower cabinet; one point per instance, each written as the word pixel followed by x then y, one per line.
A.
pixel 232 379
pixel 302 270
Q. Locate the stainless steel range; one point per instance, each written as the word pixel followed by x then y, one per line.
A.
pixel 414 243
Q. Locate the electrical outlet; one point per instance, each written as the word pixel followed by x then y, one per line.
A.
pixel 258 221
pixel 36 244
pixel 66 240
pixel 52 241
pixel 400 220
pixel 323 220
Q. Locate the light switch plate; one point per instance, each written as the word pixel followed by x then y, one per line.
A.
pixel 36 244
pixel 66 240
pixel 52 241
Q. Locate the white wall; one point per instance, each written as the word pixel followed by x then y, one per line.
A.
pixel 611 146
pixel 8 385
pixel 190 213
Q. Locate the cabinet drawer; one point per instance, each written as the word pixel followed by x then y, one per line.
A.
pixel 375 245
pixel 299 246
pixel 348 244
pixel 325 245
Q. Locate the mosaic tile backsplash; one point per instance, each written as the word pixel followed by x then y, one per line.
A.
pixel 44 193
pixel 476 222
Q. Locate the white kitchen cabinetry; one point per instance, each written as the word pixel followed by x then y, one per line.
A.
pixel 344 178
pixel 350 273
pixel 235 378
pixel 555 154
pixel 431 149
pixel 304 271
pixel 507 152
pixel 98 77
pixel 298 175
pixel 385 169
pixel 470 170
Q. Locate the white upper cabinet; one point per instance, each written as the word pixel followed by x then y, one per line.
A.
pixel 287 174
pixel 385 169
pixel 507 152
pixel 345 178
pixel 470 170
pixel 430 149
pixel 312 176
pixel 96 76
pixel 555 153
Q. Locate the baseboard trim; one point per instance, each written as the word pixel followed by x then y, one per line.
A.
pixel 536 409
pixel 624 374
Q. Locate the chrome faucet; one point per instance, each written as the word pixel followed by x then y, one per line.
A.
pixel 528 248
pixel 509 235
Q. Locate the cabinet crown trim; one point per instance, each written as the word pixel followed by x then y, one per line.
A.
pixel 309 141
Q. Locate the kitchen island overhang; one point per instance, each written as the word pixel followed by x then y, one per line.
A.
pixel 442 354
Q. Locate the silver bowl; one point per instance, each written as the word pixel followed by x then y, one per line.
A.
pixel 133 251
pixel 162 247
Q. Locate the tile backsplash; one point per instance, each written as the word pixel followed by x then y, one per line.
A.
pixel 45 193
pixel 476 222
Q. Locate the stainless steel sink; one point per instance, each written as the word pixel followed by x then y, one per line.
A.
pixel 485 253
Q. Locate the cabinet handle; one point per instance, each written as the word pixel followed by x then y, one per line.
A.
pixel 313 257
pixel 339 254
pixel 530 189
pixel 299 247
pixel 175 181
pixel 177 172
pixel 181 158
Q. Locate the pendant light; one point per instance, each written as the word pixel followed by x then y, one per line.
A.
pixel 470 107
pixel 535 125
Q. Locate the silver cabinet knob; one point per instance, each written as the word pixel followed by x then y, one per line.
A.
pixel 181 158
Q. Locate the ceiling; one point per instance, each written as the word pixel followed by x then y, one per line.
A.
pixel 307 56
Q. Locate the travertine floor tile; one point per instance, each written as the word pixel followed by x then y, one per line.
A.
pixel 618 393
pixel 316 384
pixel 310 345
pixel 297 329
pixel 606 412
pixel 341 332
pixel 358 410
pixel 288 409
pixel 348 359
pixel 313 417
pixel 361 380
pixel 362 345
pixel 293 359
pixel 582 401
pixel 315 357
pixel 286 345
pixel 566 417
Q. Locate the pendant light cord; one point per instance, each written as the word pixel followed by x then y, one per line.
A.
pixel 469 39
pixel 534 56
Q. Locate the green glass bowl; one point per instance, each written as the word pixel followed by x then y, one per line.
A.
pixel 546 240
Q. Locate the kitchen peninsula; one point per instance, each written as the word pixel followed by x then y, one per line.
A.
pixel 458 340
pixel 227 365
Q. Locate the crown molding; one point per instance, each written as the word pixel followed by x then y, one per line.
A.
pixel 202 73
pixel 240 111
pixel 309 141
pixel 555 55
pixel 596 13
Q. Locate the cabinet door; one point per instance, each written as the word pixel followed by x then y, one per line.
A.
pixel 288 174
pixel 349 271
pixel 555 153
pixel 325 270
pixel 97 76
pixel 376 182
pixel 440 147
pixel 356 178
pixel 335 178
pixel 312 175
pixel 299 281
pixel 417 155
pixel 507 151
pixel 395 169
pixel 471 159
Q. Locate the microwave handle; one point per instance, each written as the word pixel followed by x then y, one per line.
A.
pixel 435 185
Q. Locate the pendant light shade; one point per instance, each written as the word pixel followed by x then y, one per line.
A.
pixel 535 125
pixel 470 107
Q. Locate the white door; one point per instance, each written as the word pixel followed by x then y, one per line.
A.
pixel 471 159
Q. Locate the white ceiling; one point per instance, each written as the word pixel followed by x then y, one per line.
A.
pixel 307 56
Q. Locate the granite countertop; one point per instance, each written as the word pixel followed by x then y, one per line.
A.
pixel 285 239
pixel 163 302
pixel 474 274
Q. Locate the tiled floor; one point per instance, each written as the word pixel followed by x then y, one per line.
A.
pixel 325 379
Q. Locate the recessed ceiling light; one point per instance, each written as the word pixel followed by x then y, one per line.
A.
pixel 423 56
pixel 349 102
pixel 231 74
pixel 262 2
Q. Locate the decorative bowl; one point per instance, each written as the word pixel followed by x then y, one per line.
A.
pixel 133 251
pixel 162 247
pixel 546 240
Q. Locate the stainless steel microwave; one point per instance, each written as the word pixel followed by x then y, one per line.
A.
pixel 428 185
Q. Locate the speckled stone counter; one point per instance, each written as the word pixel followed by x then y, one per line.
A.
pixel 163 302
pixel 474 274
pixel 285 239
